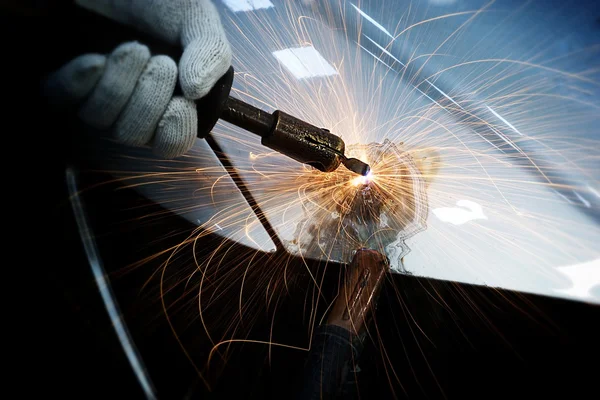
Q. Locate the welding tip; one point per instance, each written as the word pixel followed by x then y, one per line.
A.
pixel 357 166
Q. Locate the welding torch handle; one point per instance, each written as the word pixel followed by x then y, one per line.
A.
pixel 293 137
pixel 279 131
pixel 251 118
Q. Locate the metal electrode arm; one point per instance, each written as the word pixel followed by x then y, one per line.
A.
pixel 279 131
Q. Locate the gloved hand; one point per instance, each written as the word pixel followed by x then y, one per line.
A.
pixel 130 92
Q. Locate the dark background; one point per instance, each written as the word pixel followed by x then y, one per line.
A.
pixel 476 341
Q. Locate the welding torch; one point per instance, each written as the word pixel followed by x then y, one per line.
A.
pixel 279 131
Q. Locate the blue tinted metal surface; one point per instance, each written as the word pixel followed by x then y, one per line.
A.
pixel 497 103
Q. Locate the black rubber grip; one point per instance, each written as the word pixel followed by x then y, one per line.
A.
pixel 211 106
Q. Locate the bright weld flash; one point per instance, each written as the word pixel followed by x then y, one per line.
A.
pixel 363 180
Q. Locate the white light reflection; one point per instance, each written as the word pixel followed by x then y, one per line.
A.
pixel 457 216
pixel 371 20
pixel 103 284
pixel 304 62
pixel 507 140
pixel 377 58
pixel 583 200
pixel 583 278
pixel 594 191
pixel 247 5
pixel 503 120
pixel 384 50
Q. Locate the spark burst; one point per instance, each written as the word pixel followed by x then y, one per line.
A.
pixel 509 129
pixel 342 212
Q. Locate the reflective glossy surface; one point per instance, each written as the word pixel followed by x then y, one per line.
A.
pixel 493 106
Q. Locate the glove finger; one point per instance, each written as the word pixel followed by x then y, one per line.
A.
pixel 154 89
pixel 207 54
pixel 123 68
pixel 177 129
pixel 70 84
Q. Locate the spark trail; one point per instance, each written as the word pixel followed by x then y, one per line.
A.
pixel 480 128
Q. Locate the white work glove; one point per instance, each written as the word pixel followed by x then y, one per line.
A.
pixel 130 92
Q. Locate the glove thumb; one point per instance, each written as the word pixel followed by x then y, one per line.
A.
pixel 207 54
